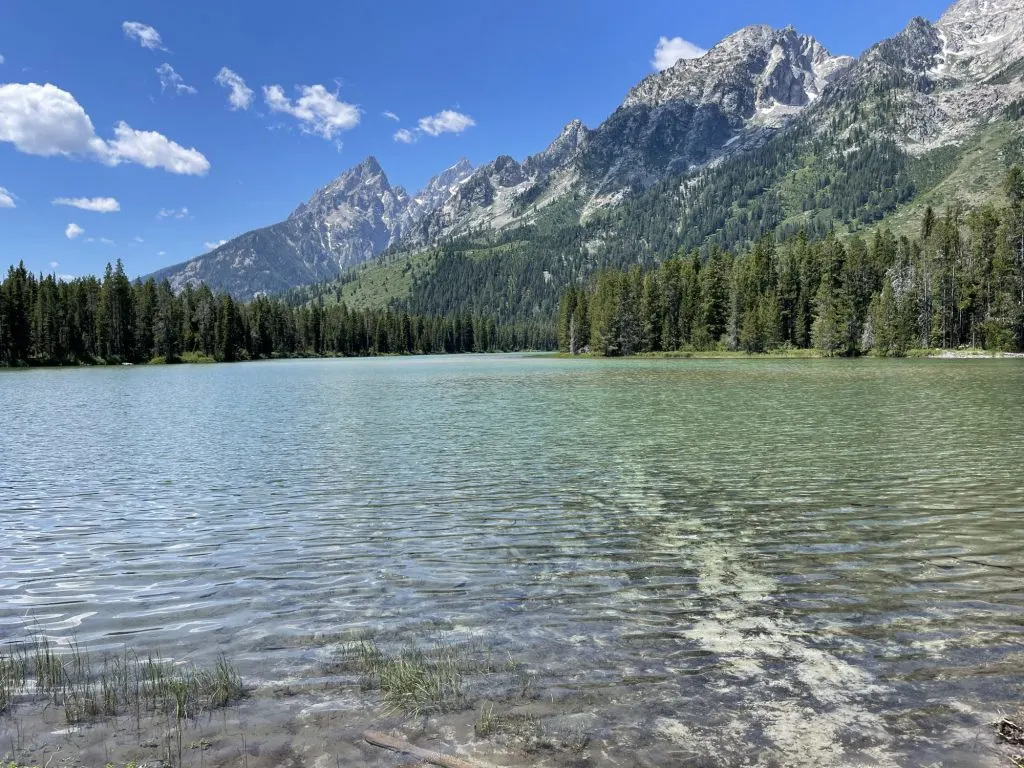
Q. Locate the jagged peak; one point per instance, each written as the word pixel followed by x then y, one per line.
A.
pixel 368 173
pixel 503 161
pixel 748 35
pixel 450 175
pixel 568 139
pixel 370 164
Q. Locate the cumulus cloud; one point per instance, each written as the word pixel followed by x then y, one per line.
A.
pixel 172 213
pixel 171 79
pixel 670 50
pixel 405 136
pixel 211 245
pixel 145 34
pixel 240 96
pixel 94 204
pixel 388 115
pixel 318 110
pixel 154 150
pixel 6 199
pixel 54 265
pixel 446 121
pixel 161 253
pixel 45 120
pixel 73 231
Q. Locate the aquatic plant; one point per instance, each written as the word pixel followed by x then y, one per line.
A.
pixel 114 684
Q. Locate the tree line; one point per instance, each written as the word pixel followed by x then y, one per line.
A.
pixel 959 283
pixel 49 321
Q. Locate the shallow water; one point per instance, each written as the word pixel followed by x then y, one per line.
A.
pixel 734 562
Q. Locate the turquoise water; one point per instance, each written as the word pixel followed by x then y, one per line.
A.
pixel 821 558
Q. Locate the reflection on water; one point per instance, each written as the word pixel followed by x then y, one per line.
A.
pixel 807 556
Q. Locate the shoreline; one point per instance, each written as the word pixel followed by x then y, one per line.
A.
pixel 794 354
pixel 467 702
pixel 204 360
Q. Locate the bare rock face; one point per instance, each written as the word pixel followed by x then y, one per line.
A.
pixel 936 83
pixel 983 40
pixel 697 110
pixel 685 117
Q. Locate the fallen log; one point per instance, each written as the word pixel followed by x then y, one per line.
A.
pixel 385 741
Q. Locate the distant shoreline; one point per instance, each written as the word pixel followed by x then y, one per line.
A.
pixel 190 359
pixel 797 354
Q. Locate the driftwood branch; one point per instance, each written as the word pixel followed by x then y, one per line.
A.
pixel 1010 731
pixel 383 740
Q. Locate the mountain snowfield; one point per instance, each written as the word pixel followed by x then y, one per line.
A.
pixel 946 79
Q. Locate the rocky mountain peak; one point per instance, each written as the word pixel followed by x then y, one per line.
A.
pixel 559 152
pixel 355 185
pixel 439 188
pixel 451 175
pixel 755 68
pixel 981 38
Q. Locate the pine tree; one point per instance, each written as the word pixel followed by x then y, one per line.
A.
pixel 652 313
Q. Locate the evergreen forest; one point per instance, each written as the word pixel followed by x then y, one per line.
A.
pixel 48 321
pixel 959 283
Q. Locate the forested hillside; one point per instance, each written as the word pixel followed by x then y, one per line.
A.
pixel 959 283
pixel 841 179
pixel 47 321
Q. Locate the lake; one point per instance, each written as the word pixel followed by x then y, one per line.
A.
pixel 697 562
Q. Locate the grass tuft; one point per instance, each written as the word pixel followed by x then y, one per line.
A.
pixel 417 681
pixel 113 685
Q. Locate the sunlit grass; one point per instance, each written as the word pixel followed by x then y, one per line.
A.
pixel 88 687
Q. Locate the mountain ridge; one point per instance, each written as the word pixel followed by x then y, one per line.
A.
pixel 931 86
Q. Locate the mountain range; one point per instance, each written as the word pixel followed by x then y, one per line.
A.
pixel 766 131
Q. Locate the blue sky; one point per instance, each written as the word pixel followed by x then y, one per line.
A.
pixel 91 114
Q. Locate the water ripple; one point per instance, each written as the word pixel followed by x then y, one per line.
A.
pixel 845 535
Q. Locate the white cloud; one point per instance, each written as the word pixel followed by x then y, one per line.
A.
pixel 45 120
pixel 405 136
pixel 670 50
pixel 171 79
pixel 210 246
pixel 107 241
pixel 94 204
pixel 446 121
pixel 388 115
pixel 172 213
pixel 319 110
pixel 154 150
pixel 138 239
pixel 161 253
pixel 2 59
pixel 54 264
pixel 73 231
pixel 241 94
pixel 145 34
pixel 6 199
